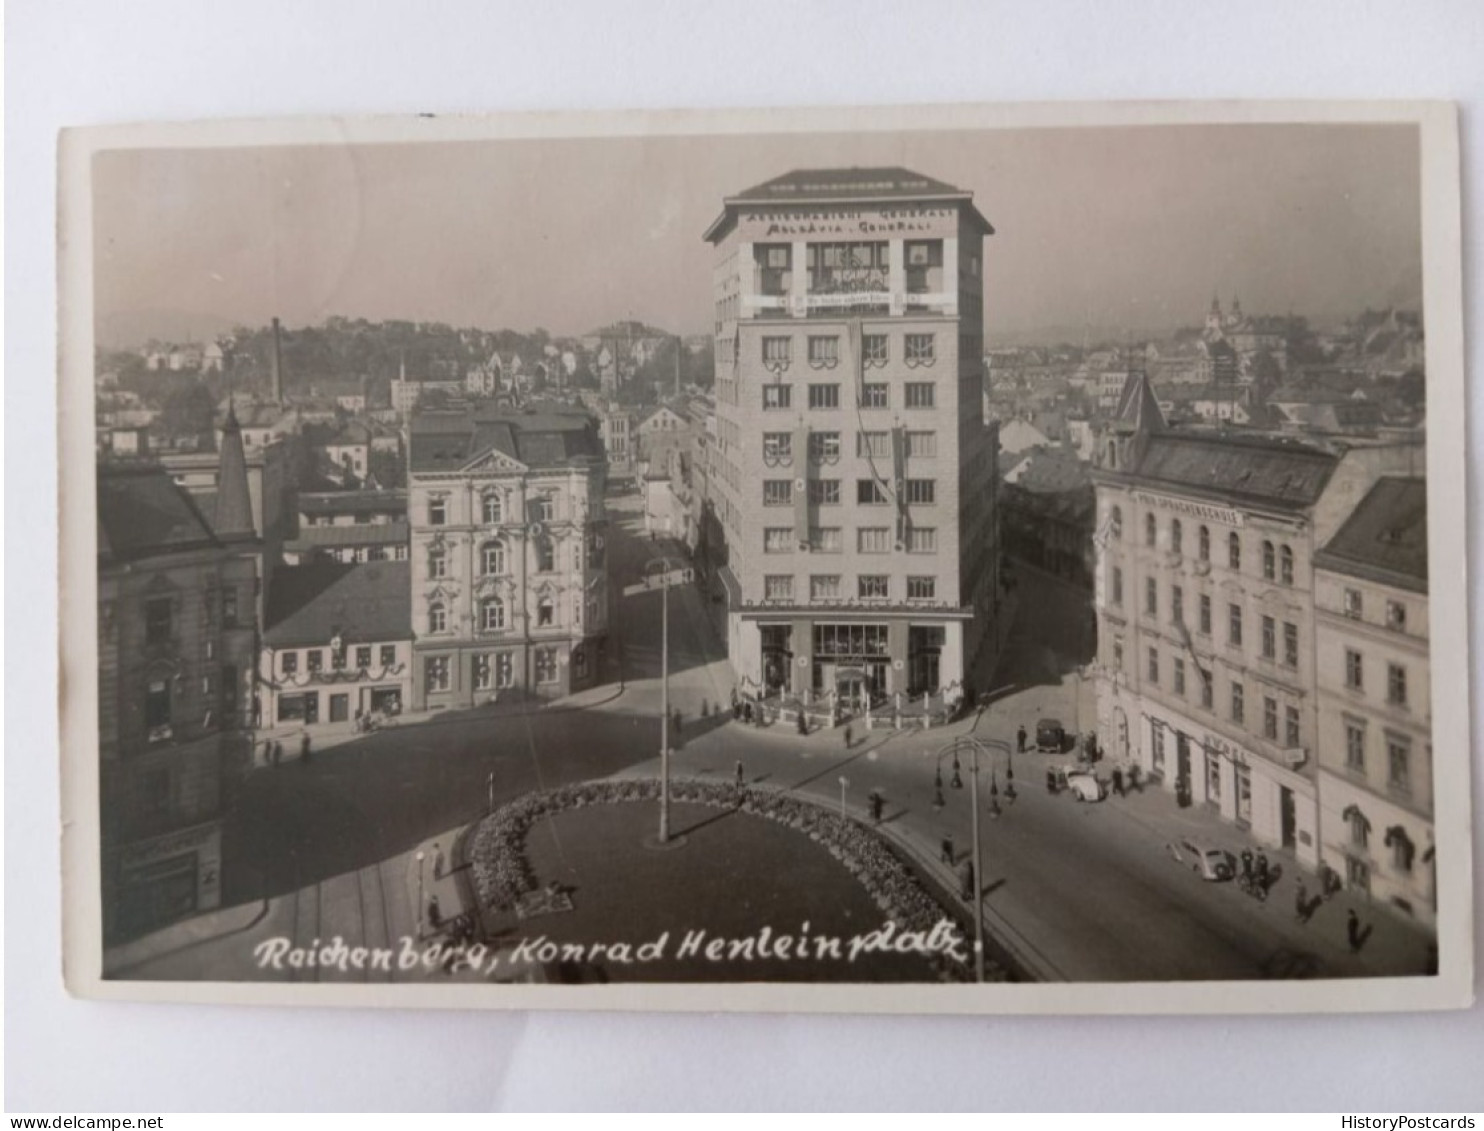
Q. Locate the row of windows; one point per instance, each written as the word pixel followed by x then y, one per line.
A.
pixel 824 447
pixel 1277 561
pixel 314 658
pixel 915 394
pixel 830 587
pixel 868 492
pixel 494 560
pixel 1396 612
pixel 830 540
pixel 491 613
pixel 1396 678
pixel 159 614
pixel 1290 729
pixel 1234 621
pixel 1398 755
pixel 824 350
pixel 492 510
pixel 494 670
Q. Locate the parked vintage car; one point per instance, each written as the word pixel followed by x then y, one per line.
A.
pixel 1204 858
pixel 1084 786
pixel 1050 736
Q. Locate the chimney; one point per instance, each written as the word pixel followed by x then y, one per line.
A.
pixel 276 363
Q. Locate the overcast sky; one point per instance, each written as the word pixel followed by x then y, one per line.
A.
pixel 1098 228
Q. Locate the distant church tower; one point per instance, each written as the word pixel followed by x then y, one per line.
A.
pixel 1213 317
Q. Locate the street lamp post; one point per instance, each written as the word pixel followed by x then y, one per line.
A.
pixel 665 710
pixel 491 784
pixel 419 893
pixel 974 747
pixel 844 782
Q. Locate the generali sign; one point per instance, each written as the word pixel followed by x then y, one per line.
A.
pixel 857 222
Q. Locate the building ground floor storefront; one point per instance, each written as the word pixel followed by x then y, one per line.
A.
pixel 1277 805
pixel 856 659
pixel 337 703
pixel 1378 848
pixel 150 883
pixel 468 673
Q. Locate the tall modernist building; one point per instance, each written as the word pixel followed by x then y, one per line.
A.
pixel 509 575
pixel 852 476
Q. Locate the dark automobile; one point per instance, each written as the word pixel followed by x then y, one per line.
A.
pixel 1050 736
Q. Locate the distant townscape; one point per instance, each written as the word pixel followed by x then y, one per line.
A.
pixel 1190 571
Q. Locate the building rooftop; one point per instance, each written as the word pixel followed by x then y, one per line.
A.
pixel 360 534
pixel 1254 469
pixel 353 502
pixel 142 513
pixel 449 441
pixel 851 185
pixel 311 604
pixel 1385 538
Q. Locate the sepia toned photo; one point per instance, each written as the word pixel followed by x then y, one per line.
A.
pixel 956 560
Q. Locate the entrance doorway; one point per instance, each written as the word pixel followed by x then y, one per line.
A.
pixel 778 657
pixel 311 708
pixel 339 708
pixel 1288 815
pixel 1182 769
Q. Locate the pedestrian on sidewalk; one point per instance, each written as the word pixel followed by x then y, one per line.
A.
pixel 304 749
pixel 1118 780
pixel 947 853
pixel 1301 910
pixel 966 881
pixel 1262 871
pixel 878 805
pixel 675 718
pixel 847 736
pixel 741 774
pixel 736 704
pixel 435 913
pixel 1353 932
pixel 1020 740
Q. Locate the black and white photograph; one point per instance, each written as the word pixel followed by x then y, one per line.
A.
pixel 956 560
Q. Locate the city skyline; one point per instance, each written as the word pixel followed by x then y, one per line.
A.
pixel 1096 229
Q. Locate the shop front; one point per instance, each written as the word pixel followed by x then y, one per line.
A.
pixel 162 880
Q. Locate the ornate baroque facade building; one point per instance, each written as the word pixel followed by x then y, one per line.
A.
pixel 508 564
pixel 852 476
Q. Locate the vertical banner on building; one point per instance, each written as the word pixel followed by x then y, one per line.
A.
pixel 857 359
pixel 801 485
pixel 899 481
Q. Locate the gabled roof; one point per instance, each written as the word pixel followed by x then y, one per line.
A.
pixel 448 441
pixel 310 604
pixel 1138 411
pixel 353 502
pixel 1385 538
pixel 851 185
pixel 142 512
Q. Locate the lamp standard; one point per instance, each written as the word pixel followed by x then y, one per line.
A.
pixel 844 783
pixel 419 893
pixel 666 566
pixel 974 746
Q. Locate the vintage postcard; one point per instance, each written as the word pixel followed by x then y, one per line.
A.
pixel 957 559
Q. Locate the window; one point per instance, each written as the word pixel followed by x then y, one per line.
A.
pixel 1234 550
pixel 824 350
pixel 437 622
pixel 778 539
pixel 1291 735
pixel 924 253
pixel 546 665
pixel 873 540
pixel 1360 828
pixel 1115 525
pixel 494 509
pixel 1239 703
pixel 922 491
pixel 1177 605
pixel 824 447
pixel 157 709
pixel 437 563
pixel 1213 779
pixel 874 395
pixel 1208 690
pixel 778 447
pixel 492 558
pixel 777 352
pixel 1153 665
pixel 229 607
pixel 483 672
pixel 1203 544
pixel 1269 638
pixel 1117 585
pixel 1396 616
pixel 1269 561
pixel 1243 776
pixel 1151 530
pixel 921 588
pixel 922 540
pixel 388 655
pixel 919 349
pixel 922 445
pixel 1234 625
pixel 337 659
pixel 875 445
pixel 1118 655
pixel 826 539
pixel 875 348
pixel 545 612
pixel 1353 606
pixel 491 614
pixel 1396 685
pixel 868 492
pixel 1179 676
pixel 158 620
pixel 1285 565
pixel 545 556
pixel 778 587
pixel 1177 535
pixel 824 396
pixel 435 673
pixel 1157 754
pixel 543 508
pixel 504 670
pixel 919 394
pixel 777 396
pixel 1354 670
pixel 1270 718
pixel 824 587
pixel 290 662
pixel 1151 597
pixel 1399 764
pixel 873 587
pixel 1205 622
pixel 778 492
pixel 314 660
pixel 824 492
